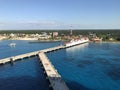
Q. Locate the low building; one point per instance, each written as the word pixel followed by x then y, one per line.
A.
pixel 55 34
pixel 96 39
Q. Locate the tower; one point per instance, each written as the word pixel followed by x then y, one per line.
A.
pixel 71 30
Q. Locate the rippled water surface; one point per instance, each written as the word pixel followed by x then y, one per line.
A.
pixel 21 47
pixel 93 66
pixel 25 74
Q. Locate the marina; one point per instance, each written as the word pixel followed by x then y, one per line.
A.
pixel 55 79
pixel 13 58
pixel 75 59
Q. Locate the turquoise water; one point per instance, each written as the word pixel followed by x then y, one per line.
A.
pixel 93 66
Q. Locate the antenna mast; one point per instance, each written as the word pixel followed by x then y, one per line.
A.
pixel 71 30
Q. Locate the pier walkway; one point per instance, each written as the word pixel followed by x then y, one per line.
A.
pixel 13 58
pixel 54 78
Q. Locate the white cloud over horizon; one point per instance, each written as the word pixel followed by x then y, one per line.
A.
pixel 53 25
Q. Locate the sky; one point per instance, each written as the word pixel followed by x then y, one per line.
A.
pixel 59 14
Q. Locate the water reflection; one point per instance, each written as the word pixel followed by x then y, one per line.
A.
pixel 72 52
pixel 90 66
pixel 76 48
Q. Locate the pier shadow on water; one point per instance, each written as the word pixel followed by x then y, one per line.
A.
pixel 76 86
pixel 22 83
pixel 23 75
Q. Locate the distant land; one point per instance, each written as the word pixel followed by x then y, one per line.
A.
pixel 105 34
pixel 59 30
pixel 66 31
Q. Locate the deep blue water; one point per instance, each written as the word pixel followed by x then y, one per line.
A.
pixel 26 74
pixel 23 75
pixel 93 66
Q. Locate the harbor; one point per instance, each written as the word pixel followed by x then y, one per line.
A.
pixel 60 45
pixel 27 55
pixel 55 79
pixel 73 59
pixel 14 58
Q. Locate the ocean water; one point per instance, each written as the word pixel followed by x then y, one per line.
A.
pixel 93 66
pixel 25 74
pixel 21 47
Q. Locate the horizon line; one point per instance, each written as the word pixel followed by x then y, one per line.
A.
pixel 54 29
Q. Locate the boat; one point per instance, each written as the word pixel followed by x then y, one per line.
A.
pixel 12 44
pixel 74 42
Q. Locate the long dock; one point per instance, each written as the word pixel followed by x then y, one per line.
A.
pixel 14 58
pixel 54 78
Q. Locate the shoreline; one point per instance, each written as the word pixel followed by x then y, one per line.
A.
pixel 107 42
pixel 36 40
pixel 110 41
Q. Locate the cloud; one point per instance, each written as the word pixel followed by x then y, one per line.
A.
pixel 96 26
pixel 2 23
pixel 53 25
pixel 30 25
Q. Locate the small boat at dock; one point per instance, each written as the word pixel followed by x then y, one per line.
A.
pixel 12 44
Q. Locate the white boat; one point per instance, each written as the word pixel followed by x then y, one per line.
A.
pixel 74 42
pixel 12 44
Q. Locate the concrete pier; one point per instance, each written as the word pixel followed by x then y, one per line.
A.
pixel 55 79
pixel 53 49
pixel 14 58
